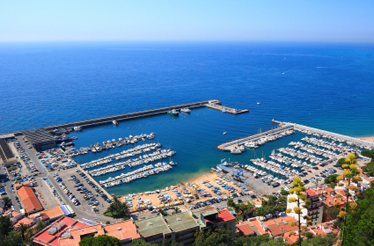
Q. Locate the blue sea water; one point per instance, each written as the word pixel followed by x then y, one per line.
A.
pixel 328 86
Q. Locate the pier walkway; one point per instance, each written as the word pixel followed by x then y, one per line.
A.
pixel 235 143
pixel 225 109
pixel 327 133
pixel 122 117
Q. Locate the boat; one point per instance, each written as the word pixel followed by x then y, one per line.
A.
pixel 173 112
pixel 251 145
pixel 236 151
pixel 224 133
pixel 115 122
pixel 185 110
pixel 258 103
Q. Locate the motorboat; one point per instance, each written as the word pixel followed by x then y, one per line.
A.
pixel 115 122
pixel 185 110
pixel 173 112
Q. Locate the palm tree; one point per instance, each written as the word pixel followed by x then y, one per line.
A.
pixel 298 190
pixel 22 228
pixel 7 201
pixel 40 226
pixel 177 210
pixel 162 212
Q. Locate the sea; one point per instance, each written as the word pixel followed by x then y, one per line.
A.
pixel 324 85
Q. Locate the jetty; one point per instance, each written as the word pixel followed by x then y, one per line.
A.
pixel 228 146
pixel 306 129
pixel 214 105
pixel 286 126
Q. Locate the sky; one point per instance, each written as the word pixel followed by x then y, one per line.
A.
pixel 188 20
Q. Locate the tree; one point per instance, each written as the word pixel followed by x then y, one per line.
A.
pixel 176 211
pixel 251 241
pixel 359 222
pixel 7 201
pixel 368 153
pixel 331 178
pixel 5 226
pixel 275 242
pixel 216 237
pixel 117 209
pixel 341 161
pixel 162 212
pixel 102 240
pixel 22 229
pixel 298 190
pixel 140 242
pixel 40 226
pixel 283 192
pixel 349 173
pixel 327 240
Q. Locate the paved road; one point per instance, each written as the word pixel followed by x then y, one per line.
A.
pixel 80 212
pixel 8 190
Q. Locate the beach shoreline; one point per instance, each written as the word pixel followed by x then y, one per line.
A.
pixel 368 138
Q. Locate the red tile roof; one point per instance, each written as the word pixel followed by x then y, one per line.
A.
pixel 224 216
pixel 319 229
pixel 244 230
pixel 46 239
pixel 29 200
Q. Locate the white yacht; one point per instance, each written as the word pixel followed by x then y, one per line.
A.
pixel 115 122
pixel 252 145
pixel 185 110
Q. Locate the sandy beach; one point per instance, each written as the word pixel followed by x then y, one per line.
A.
pixel 369 139
pixel 206 182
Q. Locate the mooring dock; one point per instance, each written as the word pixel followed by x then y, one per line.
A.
pixel 237 142
pixel 301 128
pixel 213 105
pixel 285 126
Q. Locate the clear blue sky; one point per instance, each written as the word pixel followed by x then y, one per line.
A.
pixel 242 20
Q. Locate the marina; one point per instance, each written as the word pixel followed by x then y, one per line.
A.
pixel 124 154
pixel 265 136
pixel 154 156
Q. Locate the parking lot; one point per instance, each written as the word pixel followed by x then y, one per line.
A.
pixel 81 191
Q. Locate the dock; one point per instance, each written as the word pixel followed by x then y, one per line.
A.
pixel 354 140
pixel 129 116
pixel 237 142
pixel 225 109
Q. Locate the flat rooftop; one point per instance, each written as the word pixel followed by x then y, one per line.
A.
pixel 5 152
pixel 181 221
pixel 152 226
pixel 38 136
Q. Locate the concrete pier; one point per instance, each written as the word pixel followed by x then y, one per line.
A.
pixel 140 114
pixel 225 109
pixel 237 142
pixel 298 127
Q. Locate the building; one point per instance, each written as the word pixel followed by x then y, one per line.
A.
pixel 219 219
pixel 7 158
pixel 320 229
pixel 49 215
pixel 52 234
pixel 315 211
pixel 183 226
pixel 26 221
pixel 275 227
pixel 28 199
pixel 40 139
pixel 125 231
pixel 244 230
pixel 154 230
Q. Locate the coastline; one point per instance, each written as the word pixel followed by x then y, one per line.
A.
pixel 189 185
pixel 369 138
